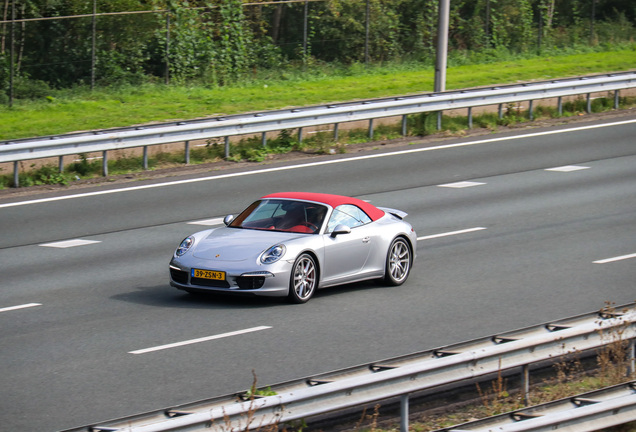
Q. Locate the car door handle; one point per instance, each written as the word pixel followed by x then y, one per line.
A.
pixel 366 239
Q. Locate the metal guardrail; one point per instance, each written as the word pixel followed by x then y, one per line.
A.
pixel 298 118
pixel 398 377
pixel 586 412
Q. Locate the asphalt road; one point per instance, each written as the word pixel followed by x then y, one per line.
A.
pixel 506 242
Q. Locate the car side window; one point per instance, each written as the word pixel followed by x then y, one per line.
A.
pixel 349 215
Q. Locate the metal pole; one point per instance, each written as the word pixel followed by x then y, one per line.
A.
pixel 145 157
pixel 371 129
pixel 525 384
pixel 404 125
pixel 167 49
pixel 470 117
pixel 530 111
pixel 616 99
pixel 187 152
pixel 227 147
pixel 588 104
pixel 306 12
pixel 105 163
pixel 93 52
pixel 335 132
pixel 366 37
pixel 60 164
pixel 16 176
pixel 264 139
pixel 12 55
pixel 442 45
pixel 560 105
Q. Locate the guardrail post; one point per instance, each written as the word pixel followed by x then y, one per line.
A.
pixel 264 139
pixel 371 129
pixel 404 124
pixel 145 158
pixel 335 132
pixel 616 99
pixel 16 177
pixel 470 117
pixel 60 164
pixel 439 120
pixel 187 152
pixel 105 163
pixel 588 104
pixel 525 384
pixel 530 110
pixel 560 105
pixel 500 111
pixel 227 147
pixel 300 134
pixel 632 356
pixel 404 413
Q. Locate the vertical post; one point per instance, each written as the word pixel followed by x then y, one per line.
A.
pixel 588 104
pixel 187 152
pixel 530 110
pixel 560 105
pixel 16 176
pixel 105 163
pixel 367 27
pixel 227 147
pixel 404 413
pixel 404 125
pixel 335 132
pixel 616 99
pixel 442 45
pixel 145 158
pixel 60 164
pixel 300 135
pixel 500 111
pixel 12 56
pixel 305 25
pixel 439 120
pixel 525 384
pixel 264 139
pixel 93 50
pixel 167 48
pixel 632 357
pixel 371 129
pixel 470 117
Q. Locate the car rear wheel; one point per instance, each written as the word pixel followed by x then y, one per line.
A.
pixel 304 279
pixel 398 262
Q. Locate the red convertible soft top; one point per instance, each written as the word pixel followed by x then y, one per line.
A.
pixel 332 200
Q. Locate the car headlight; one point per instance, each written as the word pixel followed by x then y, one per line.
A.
pixel 185 245
pixel 273 254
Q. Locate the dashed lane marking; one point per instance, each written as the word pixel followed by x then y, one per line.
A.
pixel 24 306
pixel 452 233
pixel 70 243
pixel 203 339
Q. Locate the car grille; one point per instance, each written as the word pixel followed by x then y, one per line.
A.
pixel 179 276
pixel 210 283
pixel 250 282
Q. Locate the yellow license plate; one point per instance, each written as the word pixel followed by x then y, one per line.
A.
pixel 208 274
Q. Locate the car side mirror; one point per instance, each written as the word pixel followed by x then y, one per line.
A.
pixel 228 219
pixel 340 229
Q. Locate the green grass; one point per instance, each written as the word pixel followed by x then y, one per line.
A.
pixel 66 111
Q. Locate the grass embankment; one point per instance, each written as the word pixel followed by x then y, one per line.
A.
pixel 69 111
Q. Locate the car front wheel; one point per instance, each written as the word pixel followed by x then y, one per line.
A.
pixel 398 262
pixel 304 279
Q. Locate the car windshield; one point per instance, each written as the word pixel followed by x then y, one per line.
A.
pixel 282 215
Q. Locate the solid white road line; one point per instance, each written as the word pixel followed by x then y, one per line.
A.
pixel 618 258
pixel 451 233
pixel 24 306
pixel 329 162
pixel 70 243
pixel 203 339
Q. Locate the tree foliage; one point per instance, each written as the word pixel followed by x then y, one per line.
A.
pixel 222 41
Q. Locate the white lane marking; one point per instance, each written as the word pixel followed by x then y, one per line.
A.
pixel 203 339
pixel 24 306
pixel 207 222
pixel 460 185
pixel 568 168
pixel 313 164
pixel 451 233
pixel 618 258
pixel 69 243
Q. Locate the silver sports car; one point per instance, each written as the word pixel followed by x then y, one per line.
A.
pixel 292 243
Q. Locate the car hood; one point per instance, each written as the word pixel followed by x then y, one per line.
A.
pixel 236 244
